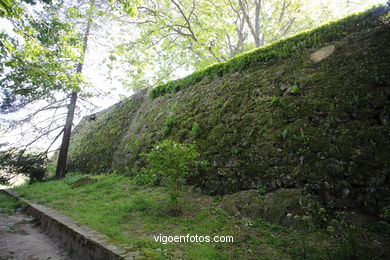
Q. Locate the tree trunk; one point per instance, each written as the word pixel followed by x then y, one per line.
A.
pixel 255 28
pixel 63 155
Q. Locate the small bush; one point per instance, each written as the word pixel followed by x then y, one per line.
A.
pixel 144 177
pixel 175 162
pixel 17 162
pixel 295 90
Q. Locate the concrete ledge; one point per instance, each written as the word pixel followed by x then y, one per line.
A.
pixel 81 241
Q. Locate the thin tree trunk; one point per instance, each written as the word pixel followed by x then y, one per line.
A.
pixel 257 23
pixel 63 155
pixel 256 27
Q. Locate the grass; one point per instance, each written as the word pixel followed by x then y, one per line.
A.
pixel 8 205
pixel 131 215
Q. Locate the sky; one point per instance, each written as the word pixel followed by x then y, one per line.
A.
pixel 95 74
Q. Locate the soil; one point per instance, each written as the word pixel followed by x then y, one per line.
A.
pixel 22 239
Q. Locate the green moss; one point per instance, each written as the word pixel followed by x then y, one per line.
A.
pixel 170 122
pixel 196 130
pixel 182 133
pixel 91 150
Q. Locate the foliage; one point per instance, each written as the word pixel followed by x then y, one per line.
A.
pixel 42 61
pixel 385 216
pixel 145 178
pixel 290 47
pixel 177 37
pixel 175 162
pixel 16 162
pixel 37 58
pixel 15 8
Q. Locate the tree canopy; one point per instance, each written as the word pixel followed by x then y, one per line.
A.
pixel 42 56
pixel 173 37
pixel 37 55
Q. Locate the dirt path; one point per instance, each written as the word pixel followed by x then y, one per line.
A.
pixel 22 239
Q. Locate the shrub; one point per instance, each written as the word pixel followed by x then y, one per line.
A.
pixel 16 162
pixel 175 162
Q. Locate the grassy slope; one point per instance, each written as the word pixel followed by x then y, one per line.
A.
pixel 131 215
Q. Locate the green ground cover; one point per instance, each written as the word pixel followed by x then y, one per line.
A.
pixel 130 215
pixel 8 205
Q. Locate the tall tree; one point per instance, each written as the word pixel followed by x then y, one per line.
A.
pixel 95 10
pixel 63 154
pixel 38 50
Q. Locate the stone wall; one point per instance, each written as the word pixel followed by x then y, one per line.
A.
pixel 321 126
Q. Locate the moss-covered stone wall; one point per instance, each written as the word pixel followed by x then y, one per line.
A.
pixel 320 126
